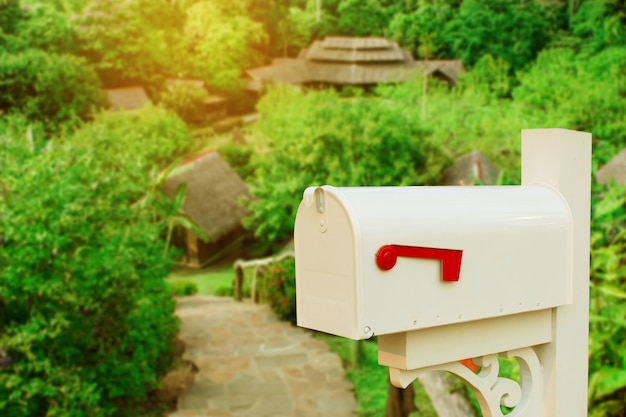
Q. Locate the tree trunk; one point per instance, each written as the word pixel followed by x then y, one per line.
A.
pixel 400 402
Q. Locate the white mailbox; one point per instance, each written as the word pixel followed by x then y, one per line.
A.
pixel 383 260
pixel 442 274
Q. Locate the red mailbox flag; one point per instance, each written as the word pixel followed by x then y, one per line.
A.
pixel 387 256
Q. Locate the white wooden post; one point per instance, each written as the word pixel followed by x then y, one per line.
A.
pixel 562 159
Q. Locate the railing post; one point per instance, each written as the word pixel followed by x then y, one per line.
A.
pixel 238 282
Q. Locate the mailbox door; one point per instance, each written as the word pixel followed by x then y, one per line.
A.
pixel 327 289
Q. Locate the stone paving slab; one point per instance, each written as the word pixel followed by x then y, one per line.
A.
pixel 252 365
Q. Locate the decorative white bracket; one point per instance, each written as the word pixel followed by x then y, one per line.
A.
pixel 490 389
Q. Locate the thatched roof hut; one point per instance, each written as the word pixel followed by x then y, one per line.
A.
pixel 283 71
pixel 345 61
pixel 447 70
pixel 470 168
pixel 213 193
pixel 615 170
pixel 127 98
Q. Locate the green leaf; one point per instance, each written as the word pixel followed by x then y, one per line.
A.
pixel 179 197
pixel 613 291
pixel 612 202
pixel 607 381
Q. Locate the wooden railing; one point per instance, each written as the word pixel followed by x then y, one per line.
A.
pixel 260 266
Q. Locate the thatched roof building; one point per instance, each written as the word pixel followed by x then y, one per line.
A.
pixel 470 168
pixel 213 193
pixel 615 170
pixel 127 98
pixel 447 70
pixel 345 61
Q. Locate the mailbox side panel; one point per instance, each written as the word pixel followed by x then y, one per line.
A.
pixel 516 253
pixel 326 285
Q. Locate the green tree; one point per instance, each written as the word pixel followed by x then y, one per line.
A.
pixel 579 92
pixel 273 15
pixel 599 24
pixel 361 18
pixel 316 138
pixel 489 78
pixel 46 87
pixel 10 16
pixel 129 41
pixel 326 17
pixel 44 25
pixel 607 329
pixel 221 41
pixel 86 320
pixel 427 20
pixel 295 31
pixel 509 29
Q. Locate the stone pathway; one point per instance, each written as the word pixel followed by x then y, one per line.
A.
pixel 251 365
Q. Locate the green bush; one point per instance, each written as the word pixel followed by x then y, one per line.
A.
pixel 277 288
pixel 49 88
pixel 179 287
pixel 238 157
pixel 187 101
pixel 607 312
pixel 225 291
pixel 315 137
pixel 86 319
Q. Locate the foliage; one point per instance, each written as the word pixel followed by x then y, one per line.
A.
pixel 509 29
pixel 39 75
pixel 226 291
pixel 558 87
pixel 51 88
pixel 295 31
pixel 46 26
pixel 155 136
pixel 422 25
pixel 607 358
pixel 277 288
pixel 42 24
pixel 238 157
pixel 361 18
pixel 220 41
pixel 129 41
pixel 181 287
pixel 489 78
pixel 315 138
pixel 273 16
pixel 187 101
pixel 459 121
pixel 10 14
pixel 598 25
pixel 86 319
